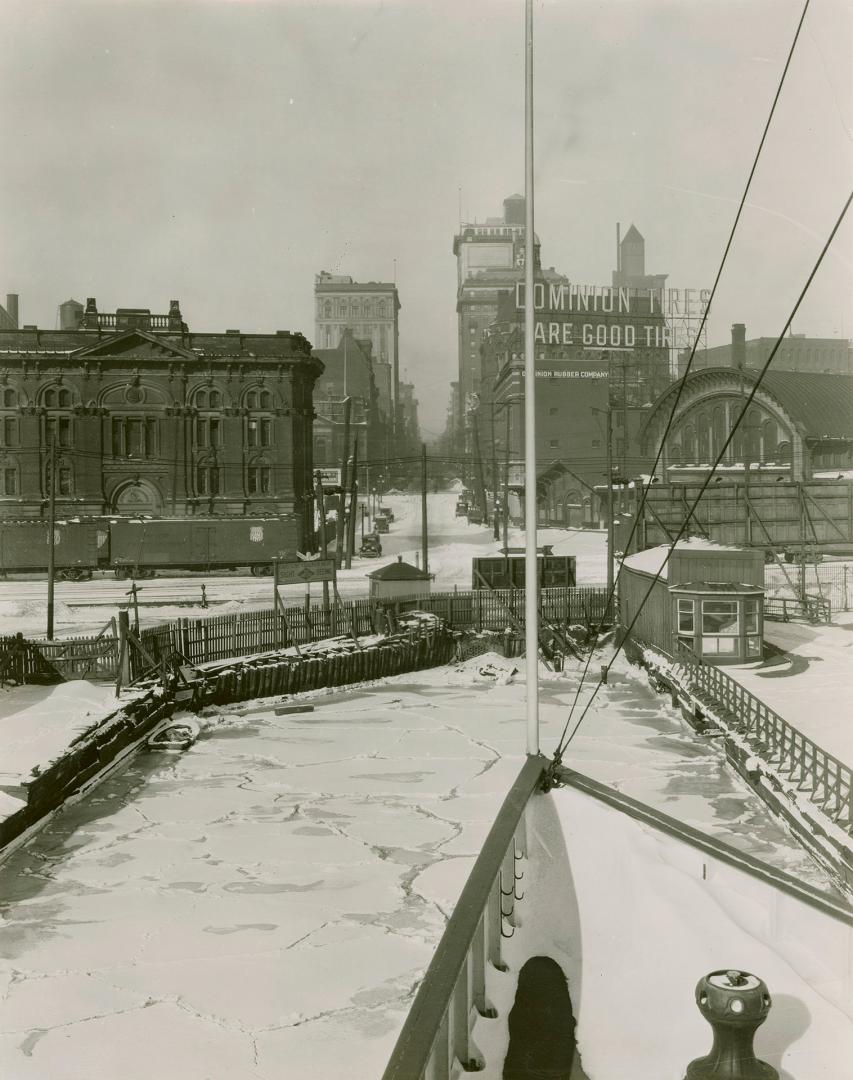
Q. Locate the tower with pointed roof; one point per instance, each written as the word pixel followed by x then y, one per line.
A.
pixel 630 272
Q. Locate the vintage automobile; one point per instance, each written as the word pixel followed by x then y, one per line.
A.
pixel 371 547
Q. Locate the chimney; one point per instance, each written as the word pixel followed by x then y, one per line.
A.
pixel 12 307
pixel 176 321
pixel 739 345
pixel 90 315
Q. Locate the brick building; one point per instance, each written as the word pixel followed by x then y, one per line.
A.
pixel 797 352
pixel 578 382
pixel 150 418
pixel 348 373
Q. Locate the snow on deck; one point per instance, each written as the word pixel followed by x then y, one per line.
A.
pixel 635 931
pixel 811 683
pixel 268 900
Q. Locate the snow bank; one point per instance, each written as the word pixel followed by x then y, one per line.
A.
pixel 811 684
pixel 38 723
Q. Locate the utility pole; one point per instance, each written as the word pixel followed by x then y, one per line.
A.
pixel 321 505
pixel 353 504
pixel 608 459
pixel 424 539
pixel 506 495
pixel 495 480
pixel 339 531
pixel 51 539
pixel 478 460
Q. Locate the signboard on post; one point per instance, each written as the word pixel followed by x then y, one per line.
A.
pixel 329 477
pixel 303 573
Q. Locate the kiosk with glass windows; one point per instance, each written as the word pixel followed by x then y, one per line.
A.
pixel 701 599
pixel 721 622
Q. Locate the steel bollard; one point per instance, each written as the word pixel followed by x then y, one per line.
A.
pixel 735 1004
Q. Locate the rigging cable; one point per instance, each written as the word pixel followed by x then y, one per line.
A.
pixel 564 742
pixel 639 515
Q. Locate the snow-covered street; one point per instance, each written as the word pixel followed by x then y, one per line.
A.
pixel 83 607
pixel 264 905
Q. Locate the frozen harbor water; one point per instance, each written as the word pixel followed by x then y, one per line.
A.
pixel 264 905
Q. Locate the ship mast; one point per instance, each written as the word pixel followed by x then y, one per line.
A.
pixel 531 590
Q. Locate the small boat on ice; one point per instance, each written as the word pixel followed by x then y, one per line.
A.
pixel 175 736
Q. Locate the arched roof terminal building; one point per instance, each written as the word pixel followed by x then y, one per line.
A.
pixel 786 477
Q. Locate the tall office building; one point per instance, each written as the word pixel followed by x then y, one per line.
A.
pixel 630 272
pixel 370 311
pixel 489 261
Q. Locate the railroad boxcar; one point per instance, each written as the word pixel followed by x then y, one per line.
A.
pixel 139 547
pixel 708 601
pixel 79 547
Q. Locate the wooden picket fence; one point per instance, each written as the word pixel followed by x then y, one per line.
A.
pixel 27 660
pixel 220 637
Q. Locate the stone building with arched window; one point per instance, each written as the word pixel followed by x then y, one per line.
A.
pixel 147 417
pixel 796 425
pixel 785 478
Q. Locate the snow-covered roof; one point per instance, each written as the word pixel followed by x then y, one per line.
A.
pixel 654 559
pixel 716 587
pixel 399 571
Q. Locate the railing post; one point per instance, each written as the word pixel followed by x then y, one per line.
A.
pixel 439 1060
pixel 478 968
pixel 461 1006
pixel 495 926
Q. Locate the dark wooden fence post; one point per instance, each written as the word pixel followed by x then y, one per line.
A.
pixel 123 675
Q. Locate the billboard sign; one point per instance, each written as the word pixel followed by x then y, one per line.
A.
pixel 303 573
pixel 622 319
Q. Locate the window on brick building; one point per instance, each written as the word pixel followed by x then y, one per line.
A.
pixel 10 398
pixel 207 479
pixel 258 479
pixel 58 397
pixel 134 436
pixel 208 431
pixel 9 480
pixel 9 431
pixel 208 399
pixel 61 429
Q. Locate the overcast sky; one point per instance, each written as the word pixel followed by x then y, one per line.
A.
pixel 224 152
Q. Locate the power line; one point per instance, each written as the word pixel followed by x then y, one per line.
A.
pixel 561 745
pixel 643 498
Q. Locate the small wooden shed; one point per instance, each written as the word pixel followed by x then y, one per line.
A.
pixel 398 579
pixel 708 600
